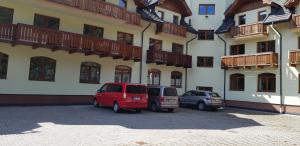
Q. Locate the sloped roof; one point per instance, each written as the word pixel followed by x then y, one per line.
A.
pixel 291 3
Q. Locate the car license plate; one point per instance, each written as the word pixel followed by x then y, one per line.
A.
pixel 136 98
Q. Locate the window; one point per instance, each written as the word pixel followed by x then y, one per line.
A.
pixel 123 3
pixel 206 9
pixel 136 89
pixel 114 88
pixel 3 65
pixel 90 73
pixel 268 46
pixel 176 79
pixel 299 83
pixel 262 15
pixel 175 20
pixel 203 88
pixel 242 19
pixel 155 44
pixel 161 14
pixel 154 91
pixel 154 77
pixel 237 49
pixel 93 31
pixel 42 69
pixel 206 35
pixel 125 37
pixel 237 82
pixel 123 74
pixel 6 15
pixel 267 82
pixel 205 61
pixel 170 92
pixel 46 22
pixel 177 48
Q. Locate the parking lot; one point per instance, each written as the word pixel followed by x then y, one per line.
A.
pixel 85 125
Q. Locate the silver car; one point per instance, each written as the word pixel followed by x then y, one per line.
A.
pixel 203 100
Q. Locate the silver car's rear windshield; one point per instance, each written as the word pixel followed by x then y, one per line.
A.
pixel 170 92
pixel 214 95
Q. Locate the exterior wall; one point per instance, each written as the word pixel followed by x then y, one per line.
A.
pixel 251 16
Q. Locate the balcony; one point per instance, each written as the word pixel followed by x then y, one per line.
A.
pixel 296 23
pixel 169 58
pixel 259 60
pixel 71 42
pixel 249 31
pixel 295 58
pixel 103 8
pixel 170 28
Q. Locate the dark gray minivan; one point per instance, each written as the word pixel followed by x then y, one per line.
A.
pixel 162 97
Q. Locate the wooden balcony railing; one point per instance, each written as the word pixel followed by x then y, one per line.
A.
pixel 252 60
pixel 169 58
pixel 296 20
pixel 295 57
pixel 103 8
pixel 249 29
pixel 61 40
pixel 171 28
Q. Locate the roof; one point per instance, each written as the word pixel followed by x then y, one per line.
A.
pixel 291 3
pixel 279 13
pixel 226 25
pixel 149 16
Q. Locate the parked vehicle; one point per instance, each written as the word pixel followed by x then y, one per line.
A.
pixel 122 96
pixel 201 99
pixel 162 97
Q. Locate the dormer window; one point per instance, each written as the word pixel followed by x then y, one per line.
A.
pixel 161 14
pixel 262 15
pixel 242 19
pixel 175 20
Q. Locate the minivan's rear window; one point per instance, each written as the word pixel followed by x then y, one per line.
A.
pixel 214 95
pixel 170 92
pixel 135 89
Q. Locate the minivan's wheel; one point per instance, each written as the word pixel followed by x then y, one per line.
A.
pixel 154 107
pixel 171 110
pixel 138 110
pixel 95 103
pixel 201 106
pixel 116 107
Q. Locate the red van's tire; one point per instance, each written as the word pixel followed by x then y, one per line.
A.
pixel 116 107
pixel 95 103
pixel 138 110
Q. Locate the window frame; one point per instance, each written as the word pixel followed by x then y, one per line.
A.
pixel 206 34
pixel 235 79
pixel 11 16
pixel 239 19
pixel 92 65
pixel 177 48
pixel 123 69
pixel 259 16
pixel 204 87
pixel 45 60
pixel 47 18
pixel 174 84
pixel 155 42
pixel 236 49
pixel 267 44
pixel 153 72
pixel 206 61
pixel 94 28
pixel 206 9
pixel 162 14
pixel 4 57
pixel 175 19
pixel 124 36
pixel 268 78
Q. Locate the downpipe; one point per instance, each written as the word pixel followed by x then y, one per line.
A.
pixel 142 45
pixel 280 66
pixel 225 73
pixel 186 53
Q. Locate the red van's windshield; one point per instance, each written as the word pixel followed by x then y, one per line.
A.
pixel 136 89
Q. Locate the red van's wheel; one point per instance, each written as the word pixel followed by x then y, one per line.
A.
pixel 116 107
pixel 95 103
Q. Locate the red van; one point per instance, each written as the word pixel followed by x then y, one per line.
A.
pixel 122 96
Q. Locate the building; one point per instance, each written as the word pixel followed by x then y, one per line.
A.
pixel 62 51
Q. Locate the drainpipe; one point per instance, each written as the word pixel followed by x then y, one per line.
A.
pixel 186 53
pixel 280 66
pixel 142 44
pixel 225 53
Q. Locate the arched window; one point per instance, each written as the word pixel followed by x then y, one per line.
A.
pixel 237 82
pixel 90 72
pixel 154 77
pixel 3 65
pixel 123 74
pixel 42 69
pixel 266 82
pixel 176 79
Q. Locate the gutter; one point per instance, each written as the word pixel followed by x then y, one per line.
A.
pixel 142 44
pixel 280 66
pixel 225 73
pixel 186 53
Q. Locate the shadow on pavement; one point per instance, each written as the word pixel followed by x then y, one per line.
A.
pixel 22 120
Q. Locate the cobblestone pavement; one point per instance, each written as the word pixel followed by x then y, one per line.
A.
pixel 88 126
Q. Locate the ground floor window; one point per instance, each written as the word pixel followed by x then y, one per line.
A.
pixel 266 82
pixel 237 82
pixel 90 72
pixel 123 74
pixel 176 79
pixel 203 88
pixel 42 69
pixel 154 77
pixel 299 83
pixel 3 65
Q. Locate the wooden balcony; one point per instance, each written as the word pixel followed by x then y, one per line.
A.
pixel 295 58
pixel 71 42
pixel 169 58
pixel 296 23
pixel 170 28
pixel 259 60
pixel 249 31
pixel 103 8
